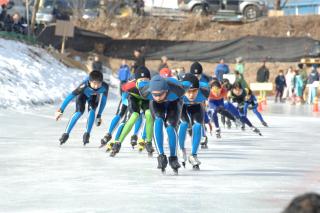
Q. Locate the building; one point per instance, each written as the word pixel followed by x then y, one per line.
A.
pixel 299 7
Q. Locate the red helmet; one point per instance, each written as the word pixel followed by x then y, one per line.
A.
pixel 165 73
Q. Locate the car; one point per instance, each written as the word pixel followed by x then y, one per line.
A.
pixel 250 9
pixel 51 10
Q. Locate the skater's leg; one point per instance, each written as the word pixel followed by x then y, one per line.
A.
pixel 90 122
pixel 196 137
pixel 232 109
pixel 258 114
pixel 121 112
pixel 114 122
pixel 158 134
pixel 183 127
pixel 138 125
pixel 75 117
pixel 182 134
pixel 158 113
pixel 119 130
pixel 128 126
pixel 80 107
pixel 149 125
pixel 197 118
pixel 172 118
pixel 172 137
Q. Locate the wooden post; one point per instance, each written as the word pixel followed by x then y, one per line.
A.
pixel 64 29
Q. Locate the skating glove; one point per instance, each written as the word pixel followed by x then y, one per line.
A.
pixel 98 120
pixel 58 114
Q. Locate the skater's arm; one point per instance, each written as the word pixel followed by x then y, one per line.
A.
pixel 102 105
pixel 66 102
pixel 103 99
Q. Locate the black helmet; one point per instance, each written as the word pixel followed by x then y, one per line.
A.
pixel 196 68
pixel 192 79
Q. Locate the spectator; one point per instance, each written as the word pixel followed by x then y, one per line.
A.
pixel 298 87
pixel 97 64
pixel 164 63
pixel 123 73
pixel 221 69
pixel 304 76
pixel 3 13
pixel 17 26
pixel 263 73
pixel 306 203
pixel 280 85
pixel 263 77
pixel 240 80
pixel 288 91
pixel 313 76
pixel 181 72
pixel 239 65
pixel 139 60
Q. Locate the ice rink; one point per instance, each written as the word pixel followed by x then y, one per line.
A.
pixel 240 173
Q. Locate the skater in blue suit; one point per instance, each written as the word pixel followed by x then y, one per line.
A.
pixel 192 115
pixel 88 92
pixel 165 104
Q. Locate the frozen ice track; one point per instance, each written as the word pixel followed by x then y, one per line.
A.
pixel 241 172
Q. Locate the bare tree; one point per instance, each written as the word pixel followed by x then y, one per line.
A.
pixel 277 4
pixel 103 9
pixel 34 13
pixel 78 7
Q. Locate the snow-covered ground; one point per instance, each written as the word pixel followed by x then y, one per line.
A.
pixel 241 172
pixel 30 76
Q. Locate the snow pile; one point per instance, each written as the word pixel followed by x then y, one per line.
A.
pixel 31 76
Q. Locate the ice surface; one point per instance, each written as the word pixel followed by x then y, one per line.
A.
pixel 240 173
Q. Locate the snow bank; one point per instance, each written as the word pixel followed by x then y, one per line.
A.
pixel 30 76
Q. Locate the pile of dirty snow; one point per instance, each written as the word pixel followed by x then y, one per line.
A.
pixel 30 76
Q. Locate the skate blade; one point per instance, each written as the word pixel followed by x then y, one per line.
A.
pixel 204 147
pixel 163 171
pixel 175 172
pixel 196 168
pixel 102 145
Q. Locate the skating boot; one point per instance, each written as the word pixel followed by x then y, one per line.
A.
pixel 149 148
pixel 162 162
pixel 141 145
pixel 238 122
pixel 109 146
pixel 218 133
pixel 86 137
pixel 194 161
pixel 105 140
pixel 183 155
pixel 243 127
pixel 133 141
pixel 256 130
pixel 204 142
pixel 174 163
pixel 115 149
pixel 264 123
pixel 228 122
pixel 64 138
